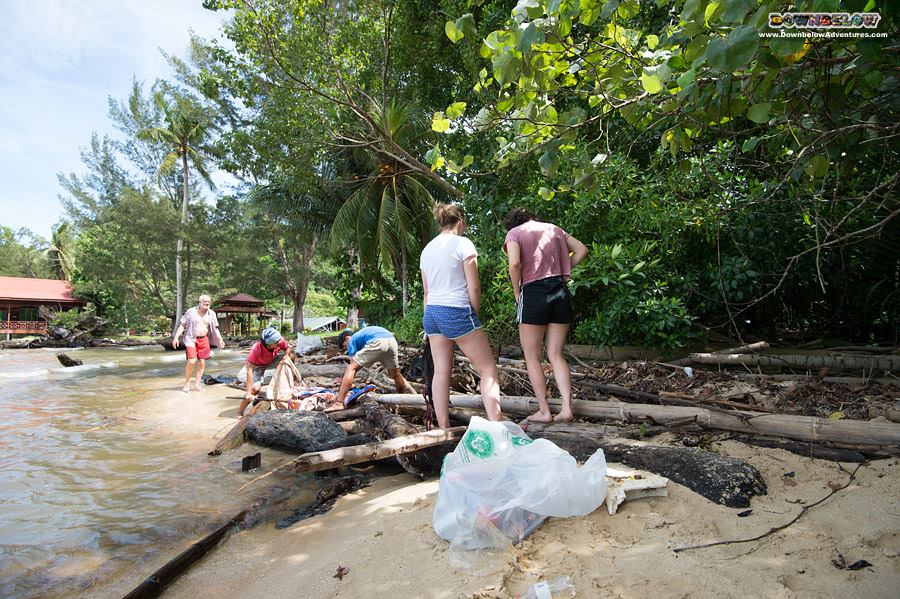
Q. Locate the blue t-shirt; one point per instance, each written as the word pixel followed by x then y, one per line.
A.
pixel 359 339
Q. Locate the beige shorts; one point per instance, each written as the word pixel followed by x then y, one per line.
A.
pixel 382 350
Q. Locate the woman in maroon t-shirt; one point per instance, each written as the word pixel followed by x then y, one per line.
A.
pixel 541 257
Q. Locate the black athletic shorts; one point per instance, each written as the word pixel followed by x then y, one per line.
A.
pixel 545 301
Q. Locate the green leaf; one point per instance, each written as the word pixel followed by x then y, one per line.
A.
pixel 629 8
pixel 484 119
pixel 531 35
pixel 759 113
pixel 652 41
pixel 439 123
pixel 506 68
pixel 434 158
pixel 453 31
pixel 466 25
pixel 735 10
pixel 731 53
pixel 651 83
pixel 549 162
pixel 785 46
pixel 546 193
pixel 456 110
pixel 687 78
pixel 817 166
pixel 749 145
pixel 467 160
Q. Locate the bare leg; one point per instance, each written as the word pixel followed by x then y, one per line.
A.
pixel 531 336
pixel 200 369
pixel 400 382
pixel 188 370
pixel 556 342
pixel 442 355
pixel 476 347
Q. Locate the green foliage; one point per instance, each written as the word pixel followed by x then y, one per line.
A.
pixel 67 318
pixel 408 328
pixel 632 304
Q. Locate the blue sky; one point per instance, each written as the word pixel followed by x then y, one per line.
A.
pixel 59 62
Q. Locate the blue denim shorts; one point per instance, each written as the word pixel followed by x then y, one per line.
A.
pixel 452 322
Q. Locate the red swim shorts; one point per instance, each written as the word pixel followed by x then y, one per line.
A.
pixel 200 349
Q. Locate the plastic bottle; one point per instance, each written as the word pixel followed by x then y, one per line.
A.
pixel 555 588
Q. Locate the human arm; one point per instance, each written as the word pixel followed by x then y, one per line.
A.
pixel 248 393
pixel 424 289
pixel 177 335
pixel 514 251
pixel 577 250
pixel 347 381
pixel 473 284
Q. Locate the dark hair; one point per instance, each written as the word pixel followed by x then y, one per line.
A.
pixel 342 336
pixel 516 217
pixel 447 215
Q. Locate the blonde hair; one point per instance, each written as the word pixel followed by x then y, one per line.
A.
pixel 447 215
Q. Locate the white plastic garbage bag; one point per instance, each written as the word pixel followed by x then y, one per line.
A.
pixel 498 480
pixel 305 345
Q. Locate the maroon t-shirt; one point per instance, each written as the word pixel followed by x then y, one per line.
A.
pixel 260 354
pixel 544 250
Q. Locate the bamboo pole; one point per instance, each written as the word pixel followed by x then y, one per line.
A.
pixel 743 349
pixel 346 456
pixel 879 436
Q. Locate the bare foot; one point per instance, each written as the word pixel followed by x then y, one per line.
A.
pixel 564 416
pixel 186 388
pixel 541 416
pixel 195 387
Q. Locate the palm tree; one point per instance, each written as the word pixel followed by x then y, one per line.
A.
pixel 388 214
pixel 187 132
pixel 59 253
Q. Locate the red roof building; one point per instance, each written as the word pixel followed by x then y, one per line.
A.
pixel 21 298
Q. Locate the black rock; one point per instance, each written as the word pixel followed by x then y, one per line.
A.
pixel 300 431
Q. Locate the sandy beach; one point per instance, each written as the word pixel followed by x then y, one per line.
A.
pixel 383 535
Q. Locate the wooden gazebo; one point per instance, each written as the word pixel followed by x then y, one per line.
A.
pixel 21 299
pixel 228 309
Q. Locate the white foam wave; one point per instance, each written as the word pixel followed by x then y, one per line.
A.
pixel 24 374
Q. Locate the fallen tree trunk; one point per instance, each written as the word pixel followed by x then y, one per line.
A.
pixel 877 437
pixel 843 380
pixel 67 361
pixel 346 456
pixel 867 363
pixel 742 349
pixel 722 479
pixel 154 584
pixel 391 426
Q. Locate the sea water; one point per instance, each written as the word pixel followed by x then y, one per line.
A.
pixel 95 495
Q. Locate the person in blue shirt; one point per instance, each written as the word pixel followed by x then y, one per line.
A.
pixel 367 347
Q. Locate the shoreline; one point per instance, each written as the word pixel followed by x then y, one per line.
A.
pixel 383 534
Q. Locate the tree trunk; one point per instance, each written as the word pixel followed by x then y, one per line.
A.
pixel 346 456
pixel 390 426
pixel 811 362
pixel 877 437
pixel 404 278
pixel 179 244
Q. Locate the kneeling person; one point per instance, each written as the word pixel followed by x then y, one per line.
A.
pixel 262 354
pixel 366 348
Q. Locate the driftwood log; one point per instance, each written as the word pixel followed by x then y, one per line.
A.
pixel 743 349
pixel 805 362
pixel 324 500
pixel 881 438
pixel 346 456
pixel 155 584
pixel 391 426
pixel 67 361
pixel 721 479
